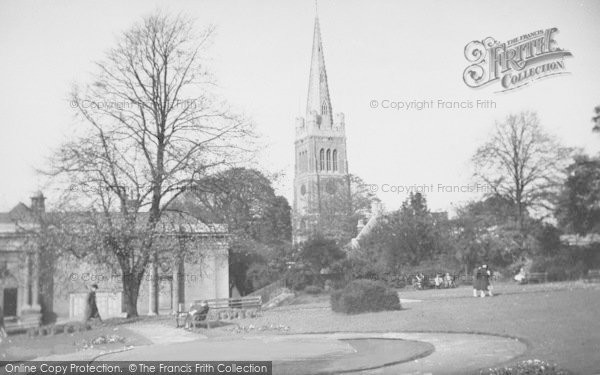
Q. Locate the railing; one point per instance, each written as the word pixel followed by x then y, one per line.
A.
pixel 266 291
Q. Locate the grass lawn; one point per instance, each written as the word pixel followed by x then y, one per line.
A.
pixel 558 321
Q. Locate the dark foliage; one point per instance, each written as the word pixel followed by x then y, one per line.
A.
pixel 313 289
pixel 363 296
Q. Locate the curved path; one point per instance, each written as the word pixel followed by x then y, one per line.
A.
pixel 368 353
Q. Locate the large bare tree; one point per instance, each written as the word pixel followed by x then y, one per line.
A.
pixel 150 128
pixel 523 164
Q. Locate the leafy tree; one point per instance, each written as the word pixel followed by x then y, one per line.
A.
pixel 319 253
pixel 342 207
pixel 408 236
pixel 259 221
pixel 578 210
pixel 487 232
pixel 523 164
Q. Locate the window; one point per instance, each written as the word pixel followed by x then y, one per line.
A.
pixel 335 167
pixel 328 160
pixel 302 163
pixel 305 161
pixel 322 159
pixel 324 109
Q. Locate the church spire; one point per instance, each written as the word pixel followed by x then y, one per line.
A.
pixel 318 89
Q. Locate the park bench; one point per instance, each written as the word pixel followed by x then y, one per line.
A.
pixel 592 276
pixel 250 302
pixel 538 277
pixel 217 304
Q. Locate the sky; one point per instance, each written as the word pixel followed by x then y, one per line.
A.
pixel 375 52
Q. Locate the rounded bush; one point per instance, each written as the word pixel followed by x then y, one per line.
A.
pixel 363 296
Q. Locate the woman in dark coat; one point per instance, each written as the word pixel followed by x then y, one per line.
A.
pixel 476 281
pixel 480 281
pixel 92 308
pixel 2 329
pixel 487 276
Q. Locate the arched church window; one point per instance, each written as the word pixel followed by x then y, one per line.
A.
pixel 322 159
pixel 328 159
pixel 324 109
pixel 335 166
pixel 304 161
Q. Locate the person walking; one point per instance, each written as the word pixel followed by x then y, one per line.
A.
pixel 476 281
pixel 2 328
pixel 487 275
pixel 92 308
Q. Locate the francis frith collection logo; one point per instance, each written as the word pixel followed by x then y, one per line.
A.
pixel 514 63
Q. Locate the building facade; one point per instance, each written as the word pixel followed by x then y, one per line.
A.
pixel 28 288
pixel 321 182
pixel 20 274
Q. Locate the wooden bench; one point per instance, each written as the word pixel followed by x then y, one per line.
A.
pixel 251 302
pixel 538 277
pixel 217 304
pixel 183 318
pixel 592 276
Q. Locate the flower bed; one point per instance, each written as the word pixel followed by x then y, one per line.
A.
pixel 529 367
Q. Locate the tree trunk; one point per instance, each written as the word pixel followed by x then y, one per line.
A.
pixel 46 285
pixel 131 290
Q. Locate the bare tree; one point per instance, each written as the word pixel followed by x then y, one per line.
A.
pixel 151 129
pixel 523 164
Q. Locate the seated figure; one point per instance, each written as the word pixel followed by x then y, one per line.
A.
pixel 520 277
pixel 420 279
pixel 438 280
pixel 448 281
pixel 197 313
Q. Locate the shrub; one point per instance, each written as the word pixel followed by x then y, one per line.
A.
pixel 529 367
pixel 364 295
pixel 298 279
pixel 556 273
pixel 313 289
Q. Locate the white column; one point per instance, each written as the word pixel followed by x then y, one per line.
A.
pixel 152 284
pixel 25 302
pixel 177 275
pixel 35 281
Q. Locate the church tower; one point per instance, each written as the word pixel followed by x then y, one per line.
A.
pixel 321 183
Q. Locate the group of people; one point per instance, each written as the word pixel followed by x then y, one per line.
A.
pixel 439 281
pixel 481 281
pixel 447 281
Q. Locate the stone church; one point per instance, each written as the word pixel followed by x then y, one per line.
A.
pixel 322 181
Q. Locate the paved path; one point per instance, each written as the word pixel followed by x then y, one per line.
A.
pixel 450 352
pixel 162 334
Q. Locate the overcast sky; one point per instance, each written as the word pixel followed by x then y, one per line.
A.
pixel 374 50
